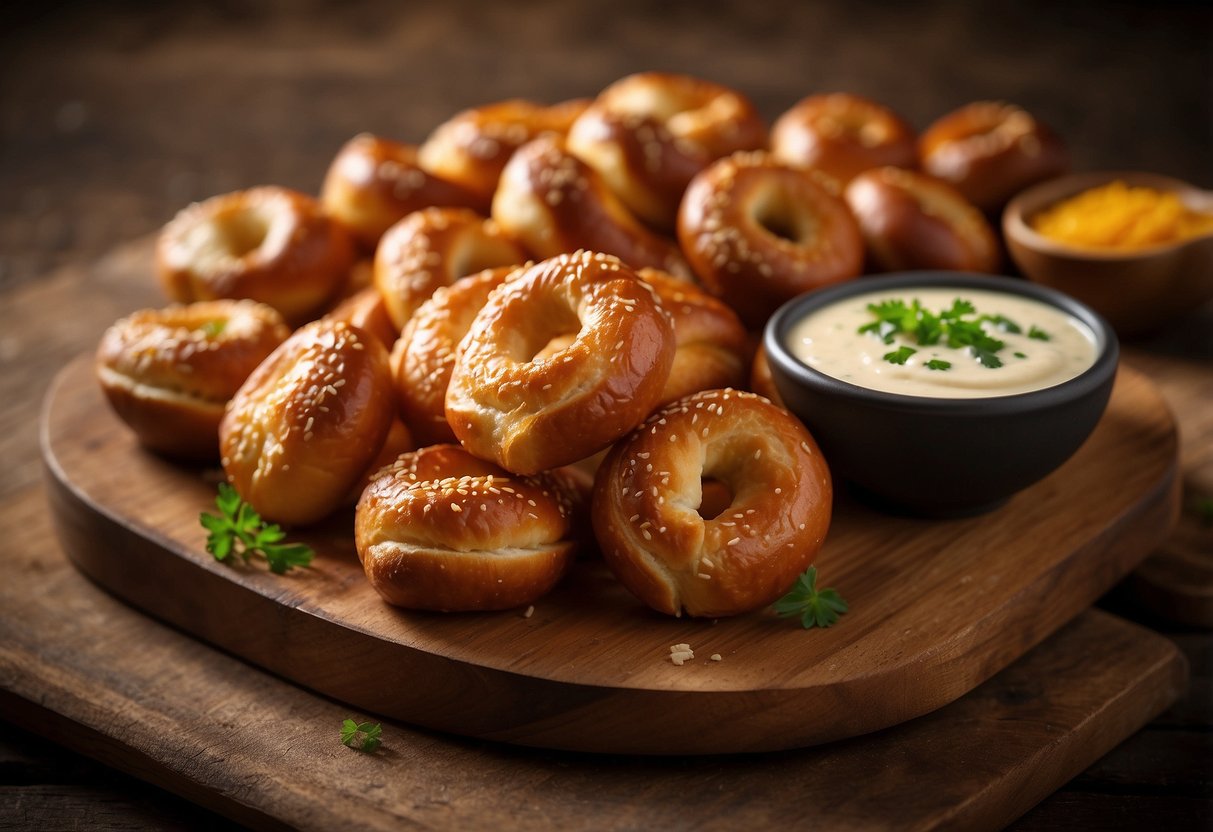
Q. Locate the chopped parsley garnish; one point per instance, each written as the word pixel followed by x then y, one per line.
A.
pixel 361 736
pixel 816 608
pixel 212 329
pixel 959 327
pixel 238 529
pixel 899 355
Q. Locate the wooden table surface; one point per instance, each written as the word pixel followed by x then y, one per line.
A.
pixel 115 115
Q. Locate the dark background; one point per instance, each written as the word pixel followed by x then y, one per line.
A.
pixel 114 115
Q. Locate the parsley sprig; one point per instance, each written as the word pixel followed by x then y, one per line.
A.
pixel 361 736
pixel 958 326
pixel 239 530
pixel 816 608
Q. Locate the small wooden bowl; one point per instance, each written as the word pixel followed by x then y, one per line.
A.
pixel 1137 291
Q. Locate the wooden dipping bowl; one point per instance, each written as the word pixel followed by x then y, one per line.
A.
pixel 1136 291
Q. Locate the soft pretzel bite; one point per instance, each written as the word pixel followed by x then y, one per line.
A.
pixel 530 413
pixel 758 232
pixel 267 244
pixel 373 183
pixel 472 147
pixel 648 493
pixel 842 135
pixel 169 373
pixel 554 203
pixel 308 422
pixel 441 529
pixel 424 355
pixel 991 150
pixel 761 380
pixel 913 221
pixel 711 346
pixel 648 134
pixel 435 247
pixel 365 309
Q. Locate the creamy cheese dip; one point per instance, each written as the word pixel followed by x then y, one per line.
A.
pixel 829 341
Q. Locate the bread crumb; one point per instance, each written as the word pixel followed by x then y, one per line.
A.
pixel 716 657
pixel 529 611
pixel 681 653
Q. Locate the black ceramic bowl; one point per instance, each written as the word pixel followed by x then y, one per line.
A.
pixel 940 456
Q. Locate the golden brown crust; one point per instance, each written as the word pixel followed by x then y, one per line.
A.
pixel 443 530
pixel 913 221
pixel 267 244
pixel 554 203
pixel 758 232
pixel 991 150
pixel 648 134
pixel 424 356
pixel 373 183
pixel 711 345
pixel 169 373
pixel 472 148
pixel 843 135
pixel 531 412
pixel 432 248
pixel 761 380
pixel 308 422
pixel 365 309
pixel 648 490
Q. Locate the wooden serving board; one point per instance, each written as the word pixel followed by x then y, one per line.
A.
pixel 937 607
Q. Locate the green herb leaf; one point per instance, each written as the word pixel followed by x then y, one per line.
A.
pixel 1003 323
pixel 899 355
pixel 238 530
pixel 212 329
pixel 814 607
pixel 986 357
pixel 1020 355
pixel 361 736
pixel 1039 334
pixel 939 364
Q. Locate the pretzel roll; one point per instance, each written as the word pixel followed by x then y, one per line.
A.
pixel 711 346
pixel 842 135
pixel 555 203
pixel 473 147
pixel 366 310
pixel 168 373
pixel 648 134
pixel 424 355
pixel 432 248
pixel 399 440
pixel 913 221
pixel 761 380
pixel 307 423
pixel 373 183
pixel 758 232
pixel 991 150
pixel 648 490
pixel 531 413
pixel 443 530
pixel 267 244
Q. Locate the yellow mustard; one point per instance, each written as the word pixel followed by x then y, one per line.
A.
pixel 1116 216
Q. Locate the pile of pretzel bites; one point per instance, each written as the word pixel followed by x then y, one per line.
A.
pixel 535 332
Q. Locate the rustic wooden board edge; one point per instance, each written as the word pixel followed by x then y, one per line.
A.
pixel 545 713
pixel 1150 669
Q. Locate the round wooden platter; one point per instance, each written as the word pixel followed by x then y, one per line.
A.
pixel 937 607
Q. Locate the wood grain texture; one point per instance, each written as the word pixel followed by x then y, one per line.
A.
pixel 589 670
pixel 95 675
pixel 265 752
